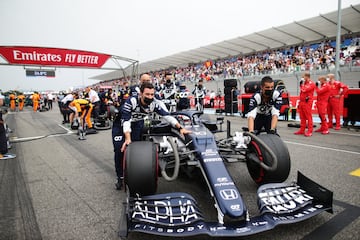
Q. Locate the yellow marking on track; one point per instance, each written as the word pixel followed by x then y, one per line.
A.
pixel 356 172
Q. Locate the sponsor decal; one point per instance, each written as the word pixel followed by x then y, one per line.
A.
pixel 118 138
pixel 229 194
pixel 167 212
pixel 209 152
pixel 53 57
pixel 153 228
pixel 283 200
pixel 224 184
pixel 299 214
pixel 217 159
pixel 222 179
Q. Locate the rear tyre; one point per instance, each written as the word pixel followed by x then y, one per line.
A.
pixel 141 168
pixel 260 175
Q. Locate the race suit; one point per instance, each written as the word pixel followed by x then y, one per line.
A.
pixel 305 105
pixel 262 112
pixel 337 89
pixel 323 93
pixel 133 122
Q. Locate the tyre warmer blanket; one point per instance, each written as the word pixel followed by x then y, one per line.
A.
pixel 177 214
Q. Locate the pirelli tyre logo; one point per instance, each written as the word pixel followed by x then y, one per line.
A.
pixel 229 194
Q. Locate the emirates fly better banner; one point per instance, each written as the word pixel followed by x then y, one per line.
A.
pixel 53 57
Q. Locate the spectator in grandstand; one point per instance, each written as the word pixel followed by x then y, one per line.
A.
pixel 264 108
pixel 323 92
pixel 307 88
pixel 337 89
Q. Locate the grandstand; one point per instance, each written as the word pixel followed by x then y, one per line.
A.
pixel 283 52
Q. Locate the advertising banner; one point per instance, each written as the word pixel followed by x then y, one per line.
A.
pixel 56 57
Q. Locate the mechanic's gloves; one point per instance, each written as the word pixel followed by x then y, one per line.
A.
pixel 317 84
pixel 272 131
pixel 301 82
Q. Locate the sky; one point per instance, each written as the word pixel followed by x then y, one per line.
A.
pixel 138 29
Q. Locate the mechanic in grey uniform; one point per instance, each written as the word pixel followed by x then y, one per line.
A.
pixel 264 108
pixel 133 124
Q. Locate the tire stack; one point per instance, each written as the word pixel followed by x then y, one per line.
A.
pixel 230 96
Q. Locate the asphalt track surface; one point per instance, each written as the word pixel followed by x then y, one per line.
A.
pixel 59 187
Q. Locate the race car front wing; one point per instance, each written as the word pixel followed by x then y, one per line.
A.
pixel 177 214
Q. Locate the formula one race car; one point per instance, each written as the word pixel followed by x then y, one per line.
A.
pixel 164 152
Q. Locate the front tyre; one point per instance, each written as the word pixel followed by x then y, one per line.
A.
pixel 141 168
pixel 259 174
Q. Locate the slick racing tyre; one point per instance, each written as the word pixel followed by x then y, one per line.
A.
pixel 141 168
pixel 259 174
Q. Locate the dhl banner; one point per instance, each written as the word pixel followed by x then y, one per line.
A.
pixel 57 57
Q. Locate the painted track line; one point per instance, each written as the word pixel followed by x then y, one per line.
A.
pixel 320 147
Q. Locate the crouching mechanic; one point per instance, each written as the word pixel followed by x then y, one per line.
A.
pixel 130 128
pixel 83 108
pixel 264 108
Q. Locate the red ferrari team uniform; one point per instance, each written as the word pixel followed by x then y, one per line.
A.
pixel 337 89
pixel 323 93
pixel 304 108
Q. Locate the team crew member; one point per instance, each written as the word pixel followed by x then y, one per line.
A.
pixel 65 110
pixel 199 92
pixel 337 89
pixel 323 92
pixel 12 98
pixel 117 129
pixel 35 99
pixel 264 107
pixel 3 141
pixel 307 88
pixel 135 90
pixel 93 97
pixel 83 107
pixel 21 101
pixel 131 129
pixel 168 92
pixel 123 94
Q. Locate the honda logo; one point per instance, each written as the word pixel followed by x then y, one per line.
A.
pixel 229 194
